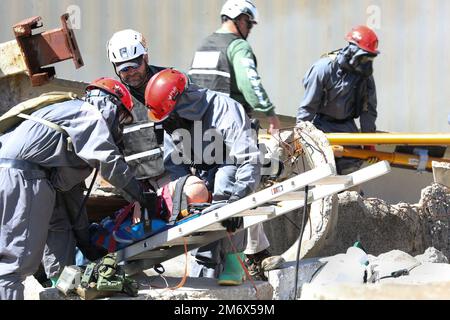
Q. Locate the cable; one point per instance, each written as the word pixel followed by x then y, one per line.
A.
pixel 292 222
pixel 304 219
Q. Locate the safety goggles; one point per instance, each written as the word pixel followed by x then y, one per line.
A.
pixel 130 65
pixel 250 23
pixel 366 58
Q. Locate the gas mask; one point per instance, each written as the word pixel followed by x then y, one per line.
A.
pixel 363 64
pixel 174 122
pixel 358 61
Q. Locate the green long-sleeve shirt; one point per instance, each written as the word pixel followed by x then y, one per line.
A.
pixel 248 82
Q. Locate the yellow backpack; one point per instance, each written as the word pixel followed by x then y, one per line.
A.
pixel 23 110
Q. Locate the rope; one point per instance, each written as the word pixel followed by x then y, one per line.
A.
pixel 185 276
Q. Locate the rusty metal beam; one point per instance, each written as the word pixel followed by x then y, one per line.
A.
pixel 30 53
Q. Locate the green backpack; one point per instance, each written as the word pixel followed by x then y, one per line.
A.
pixel 24 110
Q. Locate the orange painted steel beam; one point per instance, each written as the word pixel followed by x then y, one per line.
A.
pixel 412 139
pixel 394 158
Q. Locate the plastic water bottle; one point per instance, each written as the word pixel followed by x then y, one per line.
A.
pixel 359 255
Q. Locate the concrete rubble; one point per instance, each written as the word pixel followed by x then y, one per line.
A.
pixel 336 277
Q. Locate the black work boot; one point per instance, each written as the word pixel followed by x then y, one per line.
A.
pixel 261 262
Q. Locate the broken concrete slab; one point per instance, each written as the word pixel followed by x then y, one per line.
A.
pixel 381 227
pixel 432 255
pixel 435 291
pixel 441 173
pixel 283 280
pixel 155 288
pixel 323 213
pixel 158 288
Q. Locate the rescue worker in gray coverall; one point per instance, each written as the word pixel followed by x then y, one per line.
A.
pixel 230 164
pixel 340 88
pixel 225 62
pixel 37 161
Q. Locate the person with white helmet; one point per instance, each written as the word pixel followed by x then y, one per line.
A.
pixel 225 62
pixel 128 52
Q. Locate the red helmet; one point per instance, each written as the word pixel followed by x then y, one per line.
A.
pixel 162 92
pixel 114 87
pixel 364 38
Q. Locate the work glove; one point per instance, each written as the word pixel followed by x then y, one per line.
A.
pixel 232 224
pixel 147 200
pixel 91 251
pixel 148 206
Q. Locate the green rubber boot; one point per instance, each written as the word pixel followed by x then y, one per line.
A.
pixel 233 274
pixel 54 280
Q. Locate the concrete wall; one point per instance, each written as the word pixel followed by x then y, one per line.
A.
pixel 412 73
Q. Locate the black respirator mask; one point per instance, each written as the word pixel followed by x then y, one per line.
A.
pixel 357 61
pixel 363 64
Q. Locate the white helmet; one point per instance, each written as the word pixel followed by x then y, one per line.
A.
pixel 233 8
pixel 126 45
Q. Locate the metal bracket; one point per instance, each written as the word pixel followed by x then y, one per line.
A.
pixel 46 48
pixel 423 159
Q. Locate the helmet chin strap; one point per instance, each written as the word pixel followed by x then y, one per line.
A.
pixel 239 30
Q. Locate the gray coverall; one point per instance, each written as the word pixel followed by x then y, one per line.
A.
pixel 237 174
pixel 27 191
pixel 330 102
pixel 68 225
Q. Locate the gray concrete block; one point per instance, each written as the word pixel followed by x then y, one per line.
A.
pixel 432 255
pixel 441 173
pixel 155 288
pixel 283 280
pixel 435 291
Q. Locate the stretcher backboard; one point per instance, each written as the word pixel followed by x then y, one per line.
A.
pixel 261 206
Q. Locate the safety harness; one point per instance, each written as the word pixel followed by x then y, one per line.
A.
pixel 178 208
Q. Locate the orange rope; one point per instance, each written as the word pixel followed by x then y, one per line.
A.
pixel 183 281
pixel 185 276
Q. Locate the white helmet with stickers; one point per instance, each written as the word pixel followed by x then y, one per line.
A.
pixel 234 8
pixel 126 45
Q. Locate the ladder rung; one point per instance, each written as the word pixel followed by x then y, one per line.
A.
pixel 259 211
pixel 344 180
pixel 297 195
